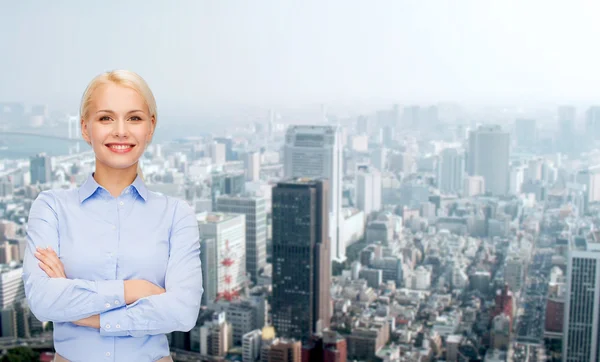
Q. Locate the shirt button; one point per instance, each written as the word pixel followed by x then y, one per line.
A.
pixel 107 354
pixel 107 305
pixel 118 326
pixel 117 302
pixel 121 203
pixel 107 326
pixel 114 227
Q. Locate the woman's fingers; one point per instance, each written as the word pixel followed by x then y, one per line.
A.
pixel 48 270
pixel 52 262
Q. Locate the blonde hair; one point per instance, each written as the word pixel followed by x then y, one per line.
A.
pixel 124 78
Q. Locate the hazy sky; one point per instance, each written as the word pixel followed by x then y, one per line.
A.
pixel 291 52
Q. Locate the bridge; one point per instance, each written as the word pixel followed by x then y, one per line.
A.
pixel 40 135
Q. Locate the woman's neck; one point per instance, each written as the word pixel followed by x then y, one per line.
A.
pixel 115 180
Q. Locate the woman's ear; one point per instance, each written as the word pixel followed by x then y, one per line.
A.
pixel 84 132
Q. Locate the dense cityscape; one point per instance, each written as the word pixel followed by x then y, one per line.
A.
pixel 413 233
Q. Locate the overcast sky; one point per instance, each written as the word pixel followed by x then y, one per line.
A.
pixel 292 52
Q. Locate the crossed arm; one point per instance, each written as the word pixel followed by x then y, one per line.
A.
pixel 138 307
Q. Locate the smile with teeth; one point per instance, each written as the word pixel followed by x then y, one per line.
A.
pixel 120 147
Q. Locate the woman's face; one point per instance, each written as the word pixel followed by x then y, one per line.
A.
pixel 118 126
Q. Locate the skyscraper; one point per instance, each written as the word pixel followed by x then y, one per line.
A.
pixel 40 168
pixel 222 236
pixel 255 210
pixel 592 122
pixel 301 266
pixel 489 157
pixel 316 152
pixel 252 166
pixel 526 132
pixel 368 190
pixel 451 170
pixel 565 139
pixel 581 337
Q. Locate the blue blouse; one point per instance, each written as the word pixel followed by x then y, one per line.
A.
pixel 102 241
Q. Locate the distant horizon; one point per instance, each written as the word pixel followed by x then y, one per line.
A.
pixel 273 54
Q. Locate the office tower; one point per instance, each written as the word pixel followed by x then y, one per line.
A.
pixel 301 266
pixel 282 350
pixel 590 178
pixel 451 171
pixel 368 190
pixel 316 152
pixel 228 143
pixel 223 237
pixel 252 166
pixel 411 116
pixel 218 153
pixel 208 257
pixel 379 158
pixel 216 337
pixel 330 347
pixel 226 184
pixel 9 252
pixel 581 337
pixel 362 125
pixel 473 186
pixel 592 122
pixel 489 153
pixel 526 132
pixel 40 168
pixel 271 124
pixel 255 209
pixel 565 138
pixel 11 285
pixel 251 342
pixel 246 315
pixel 516 178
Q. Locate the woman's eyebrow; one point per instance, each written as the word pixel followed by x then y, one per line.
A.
pixel 112 112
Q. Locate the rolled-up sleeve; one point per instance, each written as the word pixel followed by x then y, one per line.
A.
pixel 177 309
pixel 60 299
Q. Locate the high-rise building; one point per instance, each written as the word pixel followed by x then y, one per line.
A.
pixel 251 342
pixel 218 153
pixel 246 315
pixel 330 347
pixel 590 178
pixel 525 132
pixel 228 143
pixel 226 184
pixel 282 350
pixel 451 171
pixel 252 166
pixel 581 336
pixel 565 138
pixel 223 237
pixel 216 337
pixel 592 122
pixel 301 264
pixel 255 209
pixel 316 152
pixel 40 168
pixel 368 190
pixel 11 285
pixel 489 157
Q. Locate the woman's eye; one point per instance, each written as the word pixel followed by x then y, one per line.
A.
pixel 136 118
pixel 105 118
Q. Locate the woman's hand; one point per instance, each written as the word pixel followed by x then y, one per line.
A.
pixel 50 263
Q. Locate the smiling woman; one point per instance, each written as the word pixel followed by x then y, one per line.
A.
pixel 115 103
pixel 112 260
